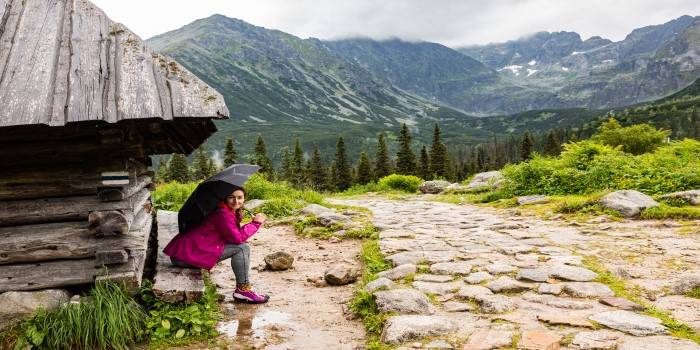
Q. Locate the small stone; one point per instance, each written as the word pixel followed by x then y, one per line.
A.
pixel 451 268
pixel 478 277
pixel 340 274
pixel 499 268
pixel 380 283
pixel 436 287
pixel 545 288
pixel 398 329
pixel 596 340
pixel 471 292
pixel 495 304
pixel 439 344
pixel 408 301
pixel 279 261
pixel 539 340
pixel 454 306
pixel 588 290
pixel 489 339
pixel 563 319
pixel 432 278
pixel 621 303
pixel 398 272
pixel 630 322
pixel 572 273
pixel 533 275
pixel 507 284
pixel 658 343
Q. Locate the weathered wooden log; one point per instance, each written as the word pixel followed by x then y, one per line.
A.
pixel 65 151
pixel 117 222
pixel 173 284
pixel 65 188
pixel 41 210
pixel 110 194
pixel 68 240
pixel 111 257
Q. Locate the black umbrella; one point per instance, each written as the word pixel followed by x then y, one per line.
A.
pixel 209 193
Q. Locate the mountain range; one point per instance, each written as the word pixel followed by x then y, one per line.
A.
pixel 284 87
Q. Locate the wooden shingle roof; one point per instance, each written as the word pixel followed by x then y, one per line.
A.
pixel 65 61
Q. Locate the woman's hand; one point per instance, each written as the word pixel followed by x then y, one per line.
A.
pixel 260 217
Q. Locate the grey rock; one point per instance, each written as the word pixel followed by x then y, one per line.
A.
pixel 499 268
pixel 278 261
pixel 340 274
pixel 432 278
pixel 495 304
pixel 399 272
pixel 685 284
pixel 315 209
pixel 596 340
pixel 380 283
pixel 692 196
pixel 439 344
pixel 557 302
pixel 454 306
pixel 412 257
pixel 451 268
pixel 486 180
pixel 630 322
pixel 253 204
pixel 507 284
pixel 588 290
pixel 406 301
pixel 628 202
pixel 329 219
pixel 436 287
pixel 533 275
pixel 621 303
pixel 489 339
pixel 658 343
pixel 472 292
pixel 399 329
pixel 478 277
pixel 546 288
pixel 572 273
pixel 532 199
pixel 15 306
pixel 433 187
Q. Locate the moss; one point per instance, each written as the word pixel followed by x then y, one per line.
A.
pixel 665 211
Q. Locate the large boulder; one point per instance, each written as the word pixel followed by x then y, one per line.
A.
pixel 18 305
pixel 433 187
pixel 628 202
pixel 340 274
pixel 332 218
pixel 485 181
pixel 692 196
pixel 279 261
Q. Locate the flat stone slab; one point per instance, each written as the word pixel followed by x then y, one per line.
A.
pixel 432 278
pixel 596 340
pixel 557 302
pixel 621 303
pixel 437 287
pixel 546 288
pixel 402 258
pixel 439 345
pixel 406 301
pixel 682 308
pixel 507 284
pixel 399 272
pixel 454 306
pixel 499 268
pixel 533 275
pixel 392 233
pixel 588 290
pixel 451 268
pixel 495 304
pixel 471 292
pixel 630 322
pixel 564 319
pixel 489 339
pixel 572 273
pixel 658 343
pixel 478 277
pixel 399 329
pixel 532 199
pixel 539 340
pixel 380 283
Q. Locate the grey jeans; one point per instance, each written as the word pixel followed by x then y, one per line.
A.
pixel 240 261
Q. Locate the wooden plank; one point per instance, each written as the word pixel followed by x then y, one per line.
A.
pixel 65 188
pixel 111 257
pixel 173 284
pixel 111 194
pixel 42 210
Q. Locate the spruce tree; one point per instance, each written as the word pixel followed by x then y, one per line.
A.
pixel 331 177
pixel 163 173
pixel 317 171
pixel 178 168
pixel 526 147
pixel 202 166
pixel 382 167
pixel 364 169
pixel 551 146
pixel 438 155
pixel 286 169
pixel 343 174
pixel 405 158
pixel 298 166
pixel 230 154
pixel 260 158
pixel 424 165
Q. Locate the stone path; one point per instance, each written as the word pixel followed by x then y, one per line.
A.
pixel 481 278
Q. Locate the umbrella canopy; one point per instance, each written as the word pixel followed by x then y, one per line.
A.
pixel 209 193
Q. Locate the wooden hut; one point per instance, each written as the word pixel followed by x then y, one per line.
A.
pixel 83 104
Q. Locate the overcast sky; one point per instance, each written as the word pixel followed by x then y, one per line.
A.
pixel 450 22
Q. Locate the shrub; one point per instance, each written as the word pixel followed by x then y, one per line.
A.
pixel 171 196
pixel 405 183
pixel 636 139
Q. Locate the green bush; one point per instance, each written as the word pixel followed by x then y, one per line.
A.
pixel 405 183
pixel 635 139
pixel 171 196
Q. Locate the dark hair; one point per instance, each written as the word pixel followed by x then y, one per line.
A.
pixel 239 211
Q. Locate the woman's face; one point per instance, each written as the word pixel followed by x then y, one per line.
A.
pixel 235 199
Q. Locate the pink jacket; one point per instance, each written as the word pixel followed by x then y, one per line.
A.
pixel 202 245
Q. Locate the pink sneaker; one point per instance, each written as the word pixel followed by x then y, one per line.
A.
pixel 246 294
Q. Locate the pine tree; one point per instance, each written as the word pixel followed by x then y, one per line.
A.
pixel 230 154
pixel 481 159
pixel 286 169
pixel 424 165
pixel 317 171
pixel 331 177
pixel 298 166
pixel 382 167
pixel 526 147
pixel 343 175
pixel 364 169
pixel 163 173
pixel 178 168
pixel 405 158
pixel 438 155
pixel 551 146
pixel 202 166
pixel 260 158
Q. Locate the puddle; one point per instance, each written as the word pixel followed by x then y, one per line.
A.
pixel 253 326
